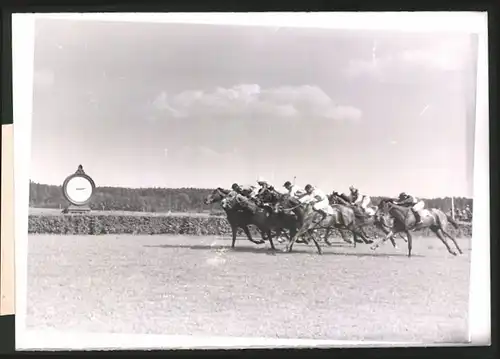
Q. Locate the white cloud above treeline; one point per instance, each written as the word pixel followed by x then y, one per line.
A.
pixel 247 100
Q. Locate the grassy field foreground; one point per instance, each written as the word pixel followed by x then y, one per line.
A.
pixel 197 285
pixel 42 221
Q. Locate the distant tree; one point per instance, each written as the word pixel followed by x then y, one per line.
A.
pixel 166 199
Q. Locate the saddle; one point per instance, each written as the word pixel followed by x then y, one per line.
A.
pixel 244 203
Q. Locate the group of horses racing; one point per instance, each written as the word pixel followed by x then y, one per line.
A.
pixel 275 213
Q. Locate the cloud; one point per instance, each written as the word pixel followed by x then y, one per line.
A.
pixel 250 100
pixel 449 55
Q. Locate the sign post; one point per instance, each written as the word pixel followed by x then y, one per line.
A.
pixel 78 190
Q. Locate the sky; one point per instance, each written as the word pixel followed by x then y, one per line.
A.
pixel 187 105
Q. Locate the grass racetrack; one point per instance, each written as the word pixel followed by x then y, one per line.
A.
pixel 197 285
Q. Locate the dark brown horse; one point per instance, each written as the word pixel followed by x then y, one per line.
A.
pixel 276 202
pixel 263 216
pixel 236 218
pixel 394 219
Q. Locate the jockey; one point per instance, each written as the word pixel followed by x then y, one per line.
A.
pixel 414 203
pixel 263 184
pixel 293 190
pixel 318 198
pixel 245 191
pixel 359 199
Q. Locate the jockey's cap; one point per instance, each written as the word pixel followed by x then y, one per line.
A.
pixel 308 187
pixel 353 189
pixel 287 184
pixel 235 186
pixel 403 195
pixel 261 180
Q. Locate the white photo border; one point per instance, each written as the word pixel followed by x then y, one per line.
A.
pixel 23 53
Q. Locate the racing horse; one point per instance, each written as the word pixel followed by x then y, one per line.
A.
pixel 274 199
pixel 282 201
pixel 262 216
pixel 340 217
pixel 236 218
pixel 394 219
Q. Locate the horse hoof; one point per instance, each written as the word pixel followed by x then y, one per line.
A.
pixel 369 241
pixel 373 248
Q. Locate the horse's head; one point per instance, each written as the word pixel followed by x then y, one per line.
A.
pixel 285 203
pixel 217 195
pixel 332 198
pixel 387 212
pixel 384 205
pixel 382 218
pixel 269 195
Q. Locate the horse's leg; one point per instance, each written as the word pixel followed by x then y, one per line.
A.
pixel 364 237
pixel 311 235
pixel 355 234
pixel 280 234
pixel 410 242
pixel 453 240
pixel 325 239
pixel 292 232
pixel 234 229
pixel 393 241
pixel 249 235
pixel 343 234
pixel 442 237
pixel 299 233
pixel 305 237
pixel 283 234
pixel 377 244
pixel 270 238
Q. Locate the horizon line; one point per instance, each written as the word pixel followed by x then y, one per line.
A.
pixel 212 188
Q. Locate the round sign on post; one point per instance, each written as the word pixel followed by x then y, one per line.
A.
pixel 78 189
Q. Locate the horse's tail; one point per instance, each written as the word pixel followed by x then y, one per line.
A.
pixel 452 221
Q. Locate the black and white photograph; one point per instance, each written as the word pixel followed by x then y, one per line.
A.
pixel 267 182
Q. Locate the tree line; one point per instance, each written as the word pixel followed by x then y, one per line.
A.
pixel 165 199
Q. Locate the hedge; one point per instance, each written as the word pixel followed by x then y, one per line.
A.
pixel 82 224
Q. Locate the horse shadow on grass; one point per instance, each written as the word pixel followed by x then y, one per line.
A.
pixel 279 251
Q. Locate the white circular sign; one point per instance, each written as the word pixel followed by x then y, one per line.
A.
pixel 79 189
